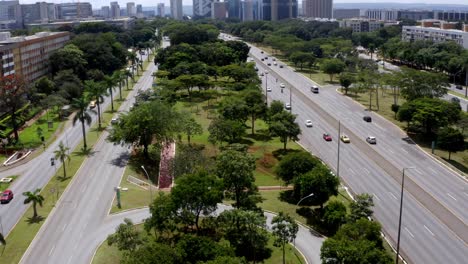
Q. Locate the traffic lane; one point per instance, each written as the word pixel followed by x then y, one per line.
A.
pixel 362 164
pixel 462 101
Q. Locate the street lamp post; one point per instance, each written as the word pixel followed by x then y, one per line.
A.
pixel 310 195
pixel 149 183
pixel 338 156
pixel 52 163
pixel 401 212
pixel 290 99
pixel 266 88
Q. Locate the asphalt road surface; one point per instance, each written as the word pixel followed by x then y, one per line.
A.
pixel 67 235
pixel 435 208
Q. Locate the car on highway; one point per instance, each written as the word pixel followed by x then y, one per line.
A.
pixel 367 118
pixel 274 59
pixel 314 89
pixel 261 52
pixel 371 140
pixel 281 66
pixel 459 87
pixel 6 197
pixel 455 100
pixel 269 64
pixel 274 63
pixel 256 69
pixel 287 106
pixel 345 139
pixel 269 89
pixel 327 137
pixel 308 123
pixel 263 59
pixel 262 74
pixel 266 58
pixel 92 104
pixel 282 85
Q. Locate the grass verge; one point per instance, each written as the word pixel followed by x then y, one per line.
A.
pixel 4 185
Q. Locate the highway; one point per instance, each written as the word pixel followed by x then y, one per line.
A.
pixel 67 236
pixel 435 211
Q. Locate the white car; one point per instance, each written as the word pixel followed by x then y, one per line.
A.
pixel 282 85
pixel 371 140
pixel 114 120
pixel 287 106
pixel 268 89
pixel 308 123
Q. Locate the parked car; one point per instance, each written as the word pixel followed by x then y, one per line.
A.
pixel 367 118
pixel 287 106
pixel 282 85
pixel 308 123
pixel 345 139
pixel 314 89
pixel 327 137
pixel 455 100
pixel 371 140
pixel 6 197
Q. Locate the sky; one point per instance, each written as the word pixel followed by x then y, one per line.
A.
pixel 99 3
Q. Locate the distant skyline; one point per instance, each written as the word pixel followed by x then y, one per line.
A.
pixel 98 3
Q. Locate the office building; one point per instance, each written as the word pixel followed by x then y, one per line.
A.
pixel 27 56
pixel 105 12
pixel 279 9
pixel 161 10
pixel 131 9
pixel 247 10
pixel 139 9
pixel 382 14
pixel 114 10
pixel 346 13
pixel 202 8
pixel 234 8
pixel 176 9
pixel 74 10
pixel 429 31
pixel 9 10
pixel 219 10
pixel 451 15
pixel 318 8
pixel 40 12
pixel 415 14
pixel 124 22
pixel 362 24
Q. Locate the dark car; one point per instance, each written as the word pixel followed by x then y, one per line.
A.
pixel 459 87
pixel 6 197
pixel 367 118
pixel 281 66
pixel 269 64
pixel 261 52
pixel 327 137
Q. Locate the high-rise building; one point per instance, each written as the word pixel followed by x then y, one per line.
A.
pixel 279 9
pixel 131 10
pixel 346 13
pixel 176 9
pixel 9 10
pixel 382 14
pixel 234 8
pixel 161 10
pixel 219 10
pixel 415 14
pixel 105 11
pixel 40 12
pixel 115 10
pixel 362 24
pixel 27 56
pixel 451 15
pixel 139 9
pixel 247 10
pixel 202 8
pixel 74 10
pixel 318 8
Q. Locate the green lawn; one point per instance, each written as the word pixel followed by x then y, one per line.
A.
pixel 4 186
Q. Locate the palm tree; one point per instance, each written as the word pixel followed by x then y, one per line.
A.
pixel 120 76
pixel 128 74
pixel 35 198
pixel 110 82
pixel 96 90
pixel 134 60
pixel 81 105
pixel 62 155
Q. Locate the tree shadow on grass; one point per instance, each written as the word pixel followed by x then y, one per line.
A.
pixel 62 179
pixel 35 220
pixel 84 152
pixel 280 153
pixel 457 165
pixel 151 165
pixel 260 137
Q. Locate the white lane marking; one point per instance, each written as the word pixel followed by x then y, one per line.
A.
pixel 394 197
pixel 69 259
pixel 428 230
pixel 417 171
pixel 351 170
pixel 391 151
pixel 81 234
pixel 433 171
pixel 451 196
pixel 409 232
pixel 366 170
pixel 404 150
pixel 376 197
pixel 51 250
pixel 64 226
pixel 83 188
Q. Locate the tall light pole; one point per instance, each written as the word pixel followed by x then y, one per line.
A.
pixel 52 163
pixel 149 183
pixel 338 156
pixel 401 212
pixel 266 88
pixel 310 195
pixel 290 99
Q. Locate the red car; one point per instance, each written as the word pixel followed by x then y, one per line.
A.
pixel 6 197
pixel 327 137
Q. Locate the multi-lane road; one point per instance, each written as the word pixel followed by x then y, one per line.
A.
pixel 435 211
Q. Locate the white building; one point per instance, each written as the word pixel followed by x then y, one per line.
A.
pixel 161 12
pixel 131 9
pixel 362 25
pixel 382 14
pixel 176 9
pixel 114 10
pixel 437 35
